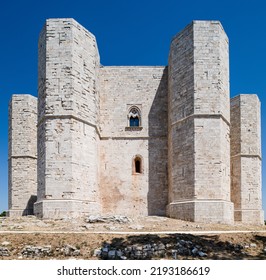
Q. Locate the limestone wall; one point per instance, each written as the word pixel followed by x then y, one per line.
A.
pixel 246 158
pixel 22 154
pixel 180 106
pixel 67 123
pixel 122 190
pixel 88 152
pixel 199 145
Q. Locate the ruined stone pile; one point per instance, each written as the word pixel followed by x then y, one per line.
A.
pixel 151 251
pixel 108 219
pixel 4 252
pixel 36 251
pixel 43 251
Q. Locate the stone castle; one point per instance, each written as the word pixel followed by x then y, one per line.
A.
pixel 135 141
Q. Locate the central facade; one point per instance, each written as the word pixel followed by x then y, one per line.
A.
pixel 135 141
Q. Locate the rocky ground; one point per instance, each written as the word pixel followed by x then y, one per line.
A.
pixel 118 237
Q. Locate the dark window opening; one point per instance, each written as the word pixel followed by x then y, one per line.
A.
pixel 134 121
pixel 134 117
pixel 137 166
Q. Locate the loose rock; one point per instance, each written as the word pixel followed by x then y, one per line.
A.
pixel 69 250
pixel 38 251
pixel 4 252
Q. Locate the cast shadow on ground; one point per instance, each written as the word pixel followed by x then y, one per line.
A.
pixel 183 244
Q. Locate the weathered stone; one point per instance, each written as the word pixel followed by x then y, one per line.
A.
pixel 36 251
pixel 202 254
pixel 69 250
pixel 135 140
pixel 199 125
pixel 246 159
pixel 194 251
pixel 112 254
pixel 4 252
pixel 97 252
pixel 22 153
pixel 107 219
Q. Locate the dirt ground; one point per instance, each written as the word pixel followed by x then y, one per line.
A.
pixel 88 237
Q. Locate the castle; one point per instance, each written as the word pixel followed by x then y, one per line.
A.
pixel 135 141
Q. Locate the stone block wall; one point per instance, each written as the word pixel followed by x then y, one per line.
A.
pixel 180 127
pixel 22 155
pixel 88 153
pixel 246 159
pixel 122 190
pixel 67 121
pixel 199 145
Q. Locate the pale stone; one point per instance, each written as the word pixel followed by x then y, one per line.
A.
pixel 176 162
pixel 246 159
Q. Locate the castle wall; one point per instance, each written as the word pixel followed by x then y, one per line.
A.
pixel 180 136
pixel 67 121
pixel 122 190
pixel 199 145
pixel 175 163
pixel 246 159
pixel 22 155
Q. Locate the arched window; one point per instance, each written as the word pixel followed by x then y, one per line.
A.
pixel 137 165
pixel 134 117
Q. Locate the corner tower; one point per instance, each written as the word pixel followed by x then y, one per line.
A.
pixel 67 121
pixel 246 159
pixel 199 119
pixel 22 155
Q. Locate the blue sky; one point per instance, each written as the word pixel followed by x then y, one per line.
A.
pixel 129 33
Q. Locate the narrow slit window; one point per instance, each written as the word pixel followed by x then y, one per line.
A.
pixel 137 166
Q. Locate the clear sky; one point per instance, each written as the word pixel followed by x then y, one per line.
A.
pixel 134 32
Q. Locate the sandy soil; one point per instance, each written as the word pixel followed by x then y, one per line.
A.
pixel 87 237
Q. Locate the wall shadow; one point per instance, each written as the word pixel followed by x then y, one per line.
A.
pixel 158 153
pixel 138 246
pixel 29 208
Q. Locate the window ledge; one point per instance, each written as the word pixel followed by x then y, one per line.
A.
pixel 133 128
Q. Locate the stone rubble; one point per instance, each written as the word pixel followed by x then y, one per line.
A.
pixel 150 251
pixel 44 251
pixel 4 252
pixel 108 219
pixel 36 251
pixel 69 250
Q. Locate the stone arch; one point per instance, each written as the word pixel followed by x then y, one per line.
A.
pixel 134 117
